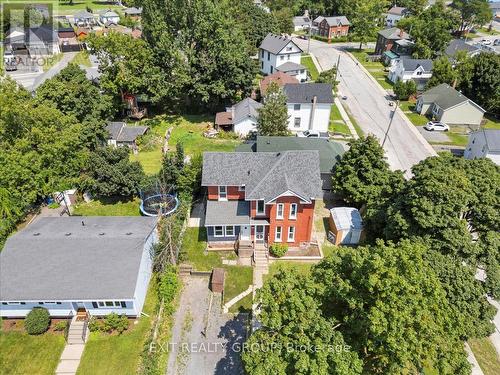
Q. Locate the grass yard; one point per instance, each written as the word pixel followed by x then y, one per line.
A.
pixel 308 62
pixel 301 268
pixel 50 61
pixel 375 68
pixel 108 207
pixel 62 7
pixel 486 355
pixel 337 124
pixel 491 123
pixel 186 129
pixel 21 353
pixel 82 58
pixel 119 354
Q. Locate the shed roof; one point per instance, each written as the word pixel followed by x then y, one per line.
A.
pixel 305 92
pixel 275 43
pixel 121 132
pixel 58 258
pixel 133 11
pixel 301 20
pixel 398 11
pixel 346 218
pixel 246 108
pixel 83 14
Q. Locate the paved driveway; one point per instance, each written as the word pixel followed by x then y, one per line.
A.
pixel 194 351
pixel 368 103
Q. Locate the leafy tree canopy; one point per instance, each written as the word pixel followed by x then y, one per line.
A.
pixel 472 13
pixel 273 116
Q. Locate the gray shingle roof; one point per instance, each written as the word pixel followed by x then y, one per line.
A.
pixel 246 108
pixel 275 43
pixel 446 97
pixel 289 66
pixel 301 21
pixel 121 132
pixel 265 174
pixel 410 65
pixel 230 212
pixel 492 137
pixel 458 45
pixel 84 265
pixel 305 92
pixel 397 11
pixel 133 11
pixel 337 20
pixel 393 33
pixel 83 14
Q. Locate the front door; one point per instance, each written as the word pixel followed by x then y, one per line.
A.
pixel 259 233
pixel 245 232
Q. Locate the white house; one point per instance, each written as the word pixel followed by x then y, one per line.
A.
pixel 241 118
pixel 302 22
pixel 394 15
pixel 277 50
pixel 419 70
pixel 309 106
pixel 107 16
pixel 484 143
pixel 78 264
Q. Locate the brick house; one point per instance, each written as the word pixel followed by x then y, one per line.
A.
pixel 333 27
pixel 260 197
pixel 387 37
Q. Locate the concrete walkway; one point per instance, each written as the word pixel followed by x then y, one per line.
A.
pixel 242 295
pixel 55 69
pixel 72 353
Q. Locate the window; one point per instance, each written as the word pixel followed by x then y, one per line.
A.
pixel 296 107
pixel 296 122
pixel 219 231
pixel 241 188
pixel 291 234
pixel 15 303
pixel 123 304
pixel 419 73
pixel 117 304
pixel 279 210
pixel 262 53
pixel 262 64
pixel 222 193
pixel 229 231
pixel 260 207
pixel 277 236
pixel 272 69
pixel 109 303
pixel 293 211
pixel 282 57
pixel 101 304
pixel 268 56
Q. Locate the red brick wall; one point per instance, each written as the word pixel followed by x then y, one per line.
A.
pixel 303 223
pixel 232 193
pixel 253 210
pixel 334 30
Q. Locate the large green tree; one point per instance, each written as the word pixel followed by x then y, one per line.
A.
pixel 365 18
pixel 472 13
pixel 442 72
pixel 273 116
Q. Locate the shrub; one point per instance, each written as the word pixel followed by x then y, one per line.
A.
pixel 60 326
pixel 96 325
pixel 278 249
pixel 37 321
pixel 53 205
pixel 115 322
pixel 168 286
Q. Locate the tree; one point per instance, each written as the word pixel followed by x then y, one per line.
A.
pixel 442 72
pixel 273 116
pixel 295 338
pixel 472 12
pixel 110 173
pixel 364 18
pixel 283 19
pixel 391 308
pixel 403 90
pixel 328 76
pixel 414 6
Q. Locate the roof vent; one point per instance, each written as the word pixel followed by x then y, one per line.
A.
pixel 67 234
pixel 36 234
pixel 101 234
pixel 128 233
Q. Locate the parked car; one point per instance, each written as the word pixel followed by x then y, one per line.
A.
pixel 312 134
pixel 9 60
pixel 496 42
pixel 486 42
pixel 436 126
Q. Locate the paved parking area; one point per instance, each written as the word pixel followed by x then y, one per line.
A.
pixel 194 350
pixel 435 137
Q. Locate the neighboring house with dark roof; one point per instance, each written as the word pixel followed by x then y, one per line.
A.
pixel 484 143
pixel 240 118
pixel 446 104
pixel 276 50
pixel 419 70
pixel 120 134
pixel 395 14
pixel 77 264
pixel 332 27
pixel 280 78
pixel 309 106
pixel 330 152
pixel 133 12
pixel 42 41
pixel 457 45
pixel 387 37
pixel 258 198
pixel 302 22
pixel 67 39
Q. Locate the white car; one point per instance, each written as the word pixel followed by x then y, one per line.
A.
pixel 486 42
pixel 436 126
pixel 311 134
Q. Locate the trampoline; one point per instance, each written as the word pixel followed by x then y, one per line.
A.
pixel 163 204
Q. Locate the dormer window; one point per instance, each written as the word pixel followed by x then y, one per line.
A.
pixel 223 193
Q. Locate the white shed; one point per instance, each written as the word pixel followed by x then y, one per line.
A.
pixel 346 225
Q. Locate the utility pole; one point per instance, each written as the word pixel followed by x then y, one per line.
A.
pixel 390 123
pixel 309 38
pixel 337 69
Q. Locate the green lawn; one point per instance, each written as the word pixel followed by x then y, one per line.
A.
pixel 337 124
pixel 50 61
pixel 308 62
pixel 375 68
pixel 82 58
pixel 119 354
pixel 486 355
pixel 416 119
pixel 301 268
pixel 491 123
pixel 63 7
pixel 108 207
pixel 186 129
pixel 21 353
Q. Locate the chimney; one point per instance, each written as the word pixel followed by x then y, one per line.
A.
pixel 313 110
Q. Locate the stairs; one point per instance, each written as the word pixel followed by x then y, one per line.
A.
pixel 261 265
pixel 185 270
pixel 76 333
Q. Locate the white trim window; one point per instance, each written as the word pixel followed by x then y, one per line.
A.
pixel 229 231
pixel 241 188
pixel 280 209
pixel 223 193
pixel 260 207
pixel 291 234
pixel 293 211
pixel 278 234
pixel 218 231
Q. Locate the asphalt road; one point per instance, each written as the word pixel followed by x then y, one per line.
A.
pixel 369 105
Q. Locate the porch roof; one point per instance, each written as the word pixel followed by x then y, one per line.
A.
pixel 227 213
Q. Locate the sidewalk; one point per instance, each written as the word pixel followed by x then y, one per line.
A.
pixel 54 70
pixel 70 359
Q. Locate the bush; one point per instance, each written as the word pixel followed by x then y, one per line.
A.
pixel 60 326
pixel 115 322
pixel 96 325
pixel 278 249
pixel 37 321
pixel 53 205
pixel 403 90
pixel 168 286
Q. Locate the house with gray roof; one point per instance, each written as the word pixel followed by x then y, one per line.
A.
pixel 121 134
pixel 404 69
pixel 302 22
pixel 69 265
pixel 257 198
pixel 109 17
pixel 331 27
pixel 133 12
pixel 241 118
pixel 450 106
pixel 330 152
pixel 395 14
pixel 457 45
pixel 309 106
pixel 387 37
pixel 84 18
pixel 277 50
pixel 484 143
